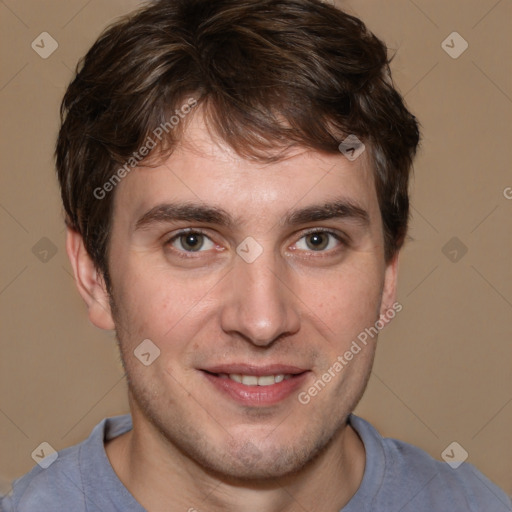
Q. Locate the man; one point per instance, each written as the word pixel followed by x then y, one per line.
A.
pixel 234 175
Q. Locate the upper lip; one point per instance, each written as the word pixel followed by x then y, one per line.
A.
pixel 251 369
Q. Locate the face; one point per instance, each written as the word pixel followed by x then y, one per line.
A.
pixel 251 279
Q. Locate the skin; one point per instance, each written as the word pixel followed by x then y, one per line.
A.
pixel 297 303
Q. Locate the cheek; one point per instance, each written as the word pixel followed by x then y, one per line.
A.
pixel 348 300
pixel 145 309
pixel 155 305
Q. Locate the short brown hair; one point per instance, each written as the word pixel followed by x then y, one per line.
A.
pixel 251 64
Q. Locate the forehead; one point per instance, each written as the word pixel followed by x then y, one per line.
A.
pixel 203 169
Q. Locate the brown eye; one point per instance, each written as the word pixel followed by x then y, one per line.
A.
pixel 319 241
pixel 191 242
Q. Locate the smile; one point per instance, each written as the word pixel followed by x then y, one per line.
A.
pixel 254 380
pixel 256 387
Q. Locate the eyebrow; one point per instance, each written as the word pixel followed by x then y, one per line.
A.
pixel 193 212
pixel 339 209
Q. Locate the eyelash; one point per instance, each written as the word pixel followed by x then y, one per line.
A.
pixel 343 240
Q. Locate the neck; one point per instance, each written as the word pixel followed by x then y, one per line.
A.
pixel 159 475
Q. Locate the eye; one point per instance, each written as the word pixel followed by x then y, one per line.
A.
pixel 191 241
pixel 319 241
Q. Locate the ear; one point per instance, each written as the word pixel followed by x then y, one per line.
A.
pixel 389 306
pixel 89 281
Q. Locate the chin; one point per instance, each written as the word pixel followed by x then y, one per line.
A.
pixel 250 464
pixel 246 460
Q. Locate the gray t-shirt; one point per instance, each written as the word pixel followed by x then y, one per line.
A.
pixel 398 477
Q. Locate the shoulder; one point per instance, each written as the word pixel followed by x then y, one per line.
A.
pixel 435 482
pixel 46 489
pixel 60 485
pixel 412 480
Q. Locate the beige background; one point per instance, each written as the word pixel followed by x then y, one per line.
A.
pixel 443 369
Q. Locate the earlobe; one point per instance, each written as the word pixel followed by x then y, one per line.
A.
pixel 89 281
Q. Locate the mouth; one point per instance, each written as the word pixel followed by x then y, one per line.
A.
pixel 255 386
pixel 254 380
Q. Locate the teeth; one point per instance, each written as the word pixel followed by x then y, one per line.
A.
pixel 250 380
pixel 253 380
pixel 266 380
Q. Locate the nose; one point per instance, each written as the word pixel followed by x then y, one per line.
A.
pixel 258 303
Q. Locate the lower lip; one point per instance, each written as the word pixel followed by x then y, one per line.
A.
pixel 257 395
